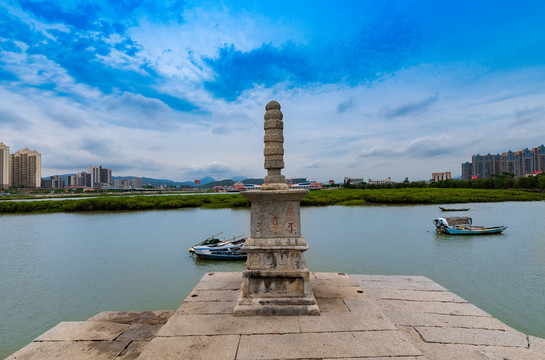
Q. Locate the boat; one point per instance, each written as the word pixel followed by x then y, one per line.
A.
pixel 213 248
pixel 453 209
pixel 463 226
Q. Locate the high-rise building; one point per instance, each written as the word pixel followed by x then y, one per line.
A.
pixel 100 175
pixel 83 179
pixel 95 174
pixel 26 169
pixel 105 176
pixel 519 163
pixel 4 166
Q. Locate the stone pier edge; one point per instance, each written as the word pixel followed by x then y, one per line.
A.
pixel 362 317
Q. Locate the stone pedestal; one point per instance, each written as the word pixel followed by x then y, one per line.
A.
pixel 275 280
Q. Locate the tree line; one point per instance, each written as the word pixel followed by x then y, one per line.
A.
pixel 503 181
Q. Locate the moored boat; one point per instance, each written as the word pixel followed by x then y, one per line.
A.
pixel 463 226
pixel 453 209
pixel 213 248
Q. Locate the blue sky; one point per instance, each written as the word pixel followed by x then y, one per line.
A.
pixel 177 89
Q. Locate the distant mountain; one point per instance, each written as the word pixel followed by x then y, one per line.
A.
pixel 205 181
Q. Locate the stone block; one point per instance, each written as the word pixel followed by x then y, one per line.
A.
pixel 340 292
pixel 331 276
pixel 228 284
pixel 416 295
pixel 341 281
pixel 84 331
pixel 359 305
pixel 134 317
pixel 68 350
pixel 473 352
pixel 472 336
pixel 221 347
pixel 537 344
pixel 400 285
pixel 206 307
pixel 333 345
pixel 212 295
pixel 133 350
pixel 221 276
pixel 140 332
pixel 335 322
pixel 180 325
pixel 445 320
pixel 431 307
pixel 331 305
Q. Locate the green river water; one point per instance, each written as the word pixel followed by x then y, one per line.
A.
pixel 69 267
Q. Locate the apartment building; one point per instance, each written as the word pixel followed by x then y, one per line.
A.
pixel 520 163
pixel 441 176
pixel 26 169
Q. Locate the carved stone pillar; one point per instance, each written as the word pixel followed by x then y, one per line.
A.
pixel 275 280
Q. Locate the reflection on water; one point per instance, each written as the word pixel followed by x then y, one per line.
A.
pixel 68 267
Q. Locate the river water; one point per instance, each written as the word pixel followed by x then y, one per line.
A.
pixel 69 267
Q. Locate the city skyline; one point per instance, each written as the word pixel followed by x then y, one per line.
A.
pixel 177 90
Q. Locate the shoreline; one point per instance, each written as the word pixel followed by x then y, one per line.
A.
pixel 344 197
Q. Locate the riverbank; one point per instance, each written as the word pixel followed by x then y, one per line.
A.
pixel 315 198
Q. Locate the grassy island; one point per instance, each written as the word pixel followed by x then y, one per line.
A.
pixel 315 198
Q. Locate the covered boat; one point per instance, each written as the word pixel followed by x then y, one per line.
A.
pixel 463 226
pixel 213 248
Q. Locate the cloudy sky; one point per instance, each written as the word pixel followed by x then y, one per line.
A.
pixel 177 89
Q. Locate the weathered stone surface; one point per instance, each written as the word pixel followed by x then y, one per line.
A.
pixel 444 320
pixel 134 317
pixel 360 305
pixel 416 295
pixel 84 331
pixel 537 344
pixel 323 345
pixel 212 295
pixel 192 347
pixel 400 285
pixel 472 352
pixel 339 292
pixel 340 281
pixel 331 305
pixel 68 350
pixel 228 284
pixel 140 332
pixel 431 307
pixel 221 276
pixel 133 350
pixel 472 336
pixel 334 322
pixel 206 308
pixel 331 276
pixel 228 324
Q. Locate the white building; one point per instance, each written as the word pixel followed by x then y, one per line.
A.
pixel 4 166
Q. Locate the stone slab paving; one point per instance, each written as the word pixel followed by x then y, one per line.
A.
pixel 362 317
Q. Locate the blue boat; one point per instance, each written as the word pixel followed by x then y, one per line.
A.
pixel 463 226
pixel 216 249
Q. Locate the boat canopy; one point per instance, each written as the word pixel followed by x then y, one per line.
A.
pixel 452 221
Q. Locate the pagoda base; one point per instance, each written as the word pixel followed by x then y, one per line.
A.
pixel 275 293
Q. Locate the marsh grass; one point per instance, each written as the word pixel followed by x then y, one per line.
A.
pixel 347 197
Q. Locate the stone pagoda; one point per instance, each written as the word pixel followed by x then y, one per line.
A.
pixel 275 280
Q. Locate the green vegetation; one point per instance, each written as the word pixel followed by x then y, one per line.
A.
pixel 503 181
pixel 125 203
pixel 315 198
pixel 416 196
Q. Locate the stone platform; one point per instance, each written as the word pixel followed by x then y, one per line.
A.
pixel 362 317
